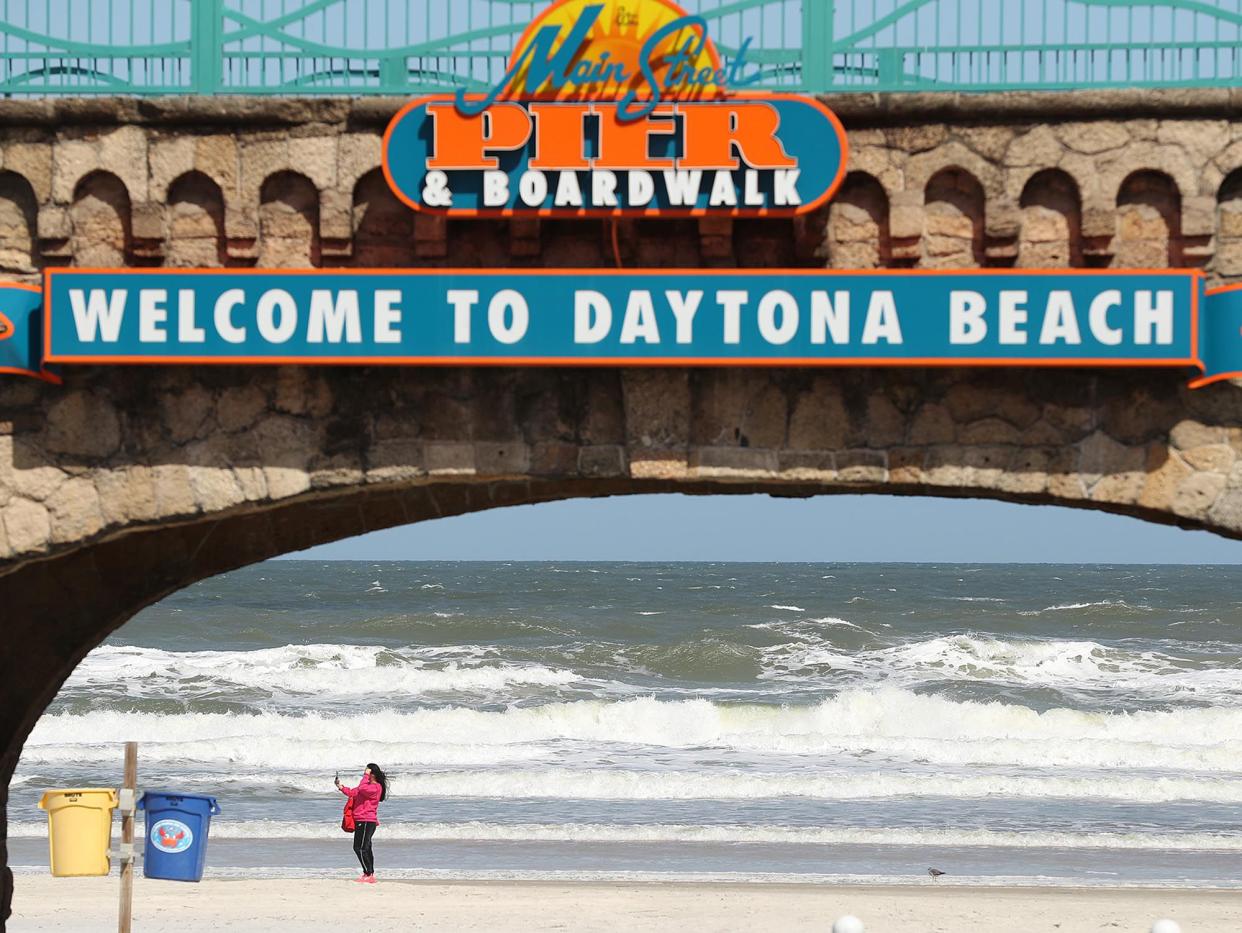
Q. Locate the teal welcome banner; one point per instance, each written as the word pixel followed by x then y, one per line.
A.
pixel 1085 318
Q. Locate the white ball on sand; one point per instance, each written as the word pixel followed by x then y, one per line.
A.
pixel 851 924
pixel 1165 926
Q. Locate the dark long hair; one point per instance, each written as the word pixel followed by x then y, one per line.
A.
pixel 380 778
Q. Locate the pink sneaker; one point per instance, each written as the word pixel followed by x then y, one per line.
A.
pixel 361 879
pixel 368 879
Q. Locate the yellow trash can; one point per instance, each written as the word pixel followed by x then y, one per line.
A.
pixel 79 829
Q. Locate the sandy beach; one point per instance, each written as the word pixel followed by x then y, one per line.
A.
pixel 72 905
pixel 799 744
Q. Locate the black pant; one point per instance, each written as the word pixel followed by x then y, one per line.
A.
pixel 362 846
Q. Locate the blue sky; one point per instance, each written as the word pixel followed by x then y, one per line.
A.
pixel 370 26
pixel 760 528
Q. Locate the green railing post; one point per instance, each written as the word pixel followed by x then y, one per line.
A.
pixel 891 68
pixel 817 48
pixel 207 46
pixel 394 74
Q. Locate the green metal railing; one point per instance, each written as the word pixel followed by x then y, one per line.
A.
pixel 404 47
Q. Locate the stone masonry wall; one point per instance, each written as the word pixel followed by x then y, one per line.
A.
pixel 1111 179
pixel 1098 179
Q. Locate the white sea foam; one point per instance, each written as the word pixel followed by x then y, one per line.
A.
pixel 596 784
pixel 1058 664
pixel 832 620
pixel 889 725
pixel 322 671
pixel 646 785
pixel 807 630
pixel 474 831
pixel 1097 604
pixel 290 743
pixel 788 608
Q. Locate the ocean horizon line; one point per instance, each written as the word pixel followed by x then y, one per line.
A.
pixel 293 558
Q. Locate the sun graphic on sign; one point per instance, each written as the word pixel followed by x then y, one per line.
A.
pixel 615 46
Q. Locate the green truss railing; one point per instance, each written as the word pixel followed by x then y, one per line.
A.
pixel 403 47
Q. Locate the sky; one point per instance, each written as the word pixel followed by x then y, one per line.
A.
pixel 368 26
pixel 832 528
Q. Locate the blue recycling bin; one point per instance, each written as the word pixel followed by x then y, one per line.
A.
pixel 176 827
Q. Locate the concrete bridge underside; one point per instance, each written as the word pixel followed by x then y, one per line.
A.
pixel 125 485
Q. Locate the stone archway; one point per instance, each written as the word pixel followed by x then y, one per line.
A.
pixel 128 485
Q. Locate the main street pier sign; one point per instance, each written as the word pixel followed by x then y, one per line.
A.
pixel 616 108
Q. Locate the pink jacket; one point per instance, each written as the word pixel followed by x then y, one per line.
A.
pixel 366 800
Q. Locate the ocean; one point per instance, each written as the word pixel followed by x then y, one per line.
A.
pixel 1007 724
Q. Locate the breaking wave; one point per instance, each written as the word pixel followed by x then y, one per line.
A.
pixel 887 724
pixel 322 671
pixel 476 831
pixel 1063 665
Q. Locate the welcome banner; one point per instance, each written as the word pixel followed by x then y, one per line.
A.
pixel 539 317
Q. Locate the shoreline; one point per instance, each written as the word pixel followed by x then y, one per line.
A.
pixel 519 878
pixel 43 903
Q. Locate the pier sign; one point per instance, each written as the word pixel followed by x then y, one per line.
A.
pixel 615 109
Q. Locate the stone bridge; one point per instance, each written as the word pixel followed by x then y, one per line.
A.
pixel 124 485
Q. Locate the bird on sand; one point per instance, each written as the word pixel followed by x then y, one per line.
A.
pixel 935 873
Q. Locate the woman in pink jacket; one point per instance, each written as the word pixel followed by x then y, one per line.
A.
pixel 366 796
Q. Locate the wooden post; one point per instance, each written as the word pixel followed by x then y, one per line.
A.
pixel 128 802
